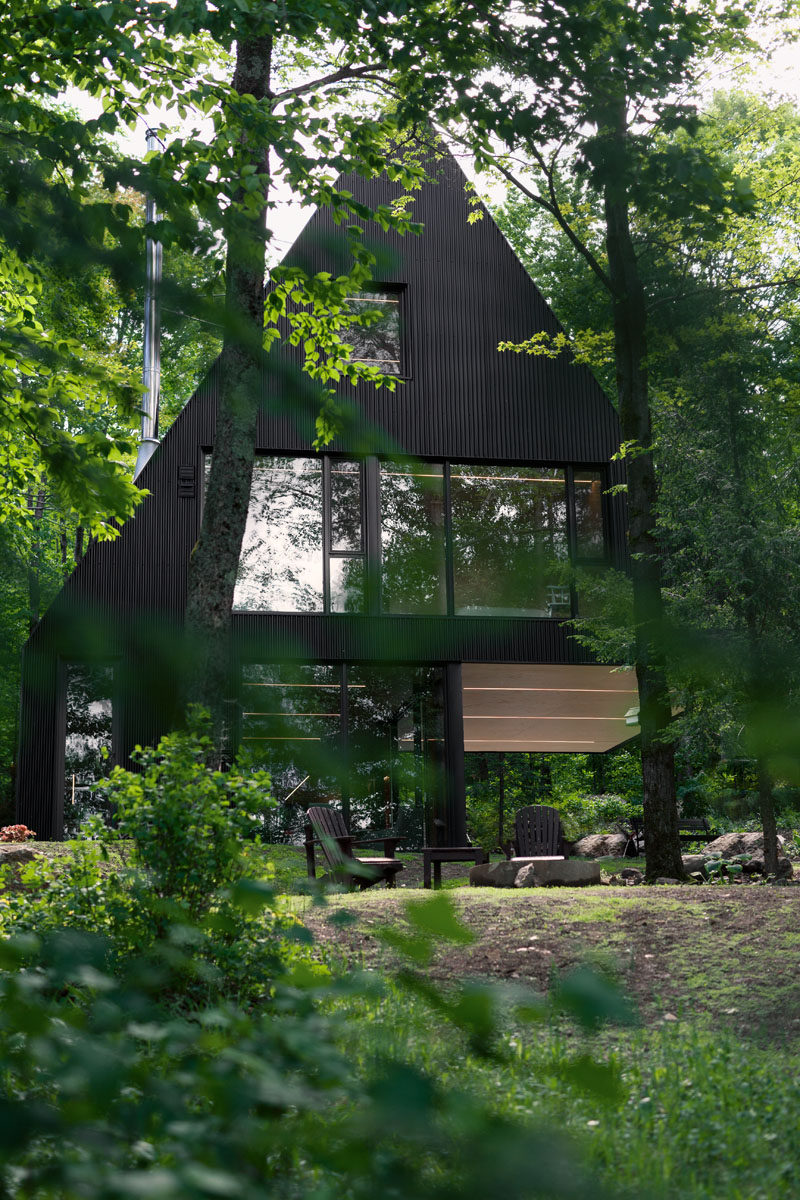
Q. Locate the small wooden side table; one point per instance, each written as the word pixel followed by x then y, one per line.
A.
pixel 435 855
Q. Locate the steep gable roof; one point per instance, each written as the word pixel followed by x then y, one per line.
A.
pixel 465 291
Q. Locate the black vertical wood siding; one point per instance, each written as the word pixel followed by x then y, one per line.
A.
pixel 465 291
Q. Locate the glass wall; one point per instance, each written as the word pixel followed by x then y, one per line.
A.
pixel 334 535
pixel 280 567
pixel 291 726
pixel 396 749
pixel 412 516
pixel 510 541
pixel 88 740
pixel 589 536
pixel 367 739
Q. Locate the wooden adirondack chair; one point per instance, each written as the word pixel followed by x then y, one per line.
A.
pixel 538 832
pixel 326 829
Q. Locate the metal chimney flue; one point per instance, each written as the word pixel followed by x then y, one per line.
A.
pixel 151 374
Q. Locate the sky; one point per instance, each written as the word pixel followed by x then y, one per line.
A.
pixel 779 76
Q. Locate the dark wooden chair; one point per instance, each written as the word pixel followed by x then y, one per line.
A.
pixel 690 829
pixel 326 829
pixel 538 832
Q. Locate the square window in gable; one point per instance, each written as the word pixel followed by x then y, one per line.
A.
pixel 380 343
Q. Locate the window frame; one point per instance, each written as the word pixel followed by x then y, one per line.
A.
pixel 400 290
pixel 371 549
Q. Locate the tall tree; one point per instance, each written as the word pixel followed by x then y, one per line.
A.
pixel 280 123
pixel 596 90
pixel 723 371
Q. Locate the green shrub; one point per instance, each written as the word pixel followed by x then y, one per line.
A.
pixel 188 824
pixel 183 861
pixel 582 814
pixel 107 1093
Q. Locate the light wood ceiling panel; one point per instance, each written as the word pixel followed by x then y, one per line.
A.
pixel 520 706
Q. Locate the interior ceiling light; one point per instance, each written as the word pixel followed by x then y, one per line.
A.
pixel 513 688
pixel 524 717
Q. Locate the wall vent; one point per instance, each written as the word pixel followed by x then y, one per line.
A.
pixel 187 482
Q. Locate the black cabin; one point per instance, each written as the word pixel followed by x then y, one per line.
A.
pixel 464 497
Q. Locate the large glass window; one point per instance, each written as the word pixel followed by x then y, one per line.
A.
pixel 346 561
pixel 280 568
pixel 396 749
pixel 589 539
pixel 510 541
pixel 379 343
pixel 324 532
pixel 291 725
pixel 88 741
pixel 367 739
pixel 413 573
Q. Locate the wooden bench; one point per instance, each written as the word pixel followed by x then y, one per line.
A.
pixel 690 829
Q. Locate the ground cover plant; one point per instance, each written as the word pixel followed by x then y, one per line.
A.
pixel 440 1025
pixel 165 1031
pixel 696 1089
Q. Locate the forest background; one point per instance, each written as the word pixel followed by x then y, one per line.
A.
pixel 723 365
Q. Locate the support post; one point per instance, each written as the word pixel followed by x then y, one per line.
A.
pixel 455 788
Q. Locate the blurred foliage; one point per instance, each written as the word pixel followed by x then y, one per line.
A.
pixel 724 370
pixel 165 1031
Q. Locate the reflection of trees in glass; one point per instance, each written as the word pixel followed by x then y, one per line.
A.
pixel 412 538
pixel 347 567
pixel 88 733
pixel 348 585
pixel 395 731
pixel 346 531
pixel 290 725
pixel 388 773
pixel 280 567
pixel 590 542
pixel 378 344
pixel 509 540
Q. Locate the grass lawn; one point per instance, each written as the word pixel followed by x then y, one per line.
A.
pixel 705 1100
pixel 701 1096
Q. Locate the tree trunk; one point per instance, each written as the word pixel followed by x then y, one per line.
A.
pixel 599 774
pixel 767 805
pixel 215 558
pixel 630 346
pixel 501 800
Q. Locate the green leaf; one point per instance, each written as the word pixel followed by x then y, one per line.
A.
pixel 437 917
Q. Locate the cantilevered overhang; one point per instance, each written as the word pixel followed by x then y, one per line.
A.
pixel 572 709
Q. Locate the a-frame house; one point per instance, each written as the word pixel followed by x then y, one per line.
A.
pixel 402 596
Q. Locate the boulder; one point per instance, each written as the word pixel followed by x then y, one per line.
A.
pixel 549 872
pixel 526 877
pixel 496 874
pixel 11 853
pixel 601 845
pixel 692 863
pixel 731 844
pixel 756 867
pixel 631 875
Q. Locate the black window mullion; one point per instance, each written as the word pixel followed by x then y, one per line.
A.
pixel 572 535
pixel 344 742
pixel 448 541
pixel 326 533
pixel 372 530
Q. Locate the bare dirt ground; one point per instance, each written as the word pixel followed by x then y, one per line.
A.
pixel 727 957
